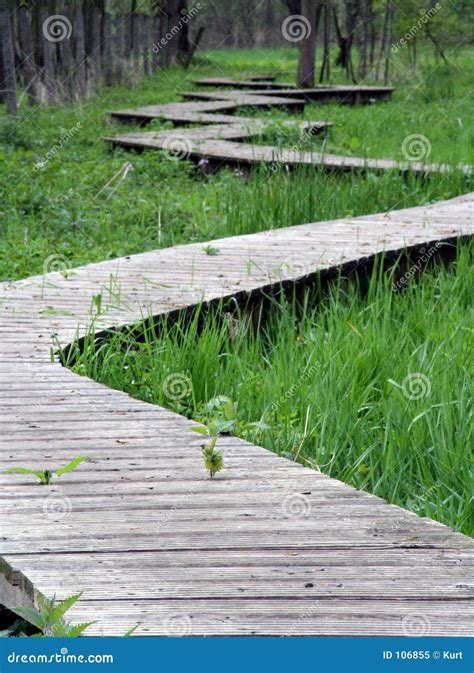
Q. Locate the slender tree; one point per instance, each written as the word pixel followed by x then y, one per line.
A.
pixel 306 65
pixel 345 41
pixel 8 85
pixel 325 72
pixel 80 51
pixel 366 12
pixel 27 48
pixel 390 13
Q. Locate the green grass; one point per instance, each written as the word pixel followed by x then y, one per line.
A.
pixel 328 374
pixel 58 210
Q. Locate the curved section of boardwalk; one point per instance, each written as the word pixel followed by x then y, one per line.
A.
pixel 268 547
pixel 212 144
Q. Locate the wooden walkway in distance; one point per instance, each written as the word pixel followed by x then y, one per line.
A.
pixel 213 145
pixel 190 141
pixel 343 94
pixel 266 548
pixel 175 111
pixel 256 85
pixel 250 98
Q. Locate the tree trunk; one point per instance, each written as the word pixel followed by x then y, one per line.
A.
pixel 325 71
pixel 118 47
pixel 194 46
pixel 128 35
pixel 306 66
pixel 391 10
pixel 171 20
pixel 8 85
pixel 366 13
pixel 436 44
pixel 373 37
pixel 183 44
pixel 107 54
pixel 94 41
pixel 294 7
pixel 49 62
pixel 67 66
pixel 136 41
pixel 155 40
pixel 382 41
pixel 345 42
pixel 27 47
pixel 80 47
pixel 145 33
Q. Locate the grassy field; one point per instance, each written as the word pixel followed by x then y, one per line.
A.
pixel 373 389
pixel 64 207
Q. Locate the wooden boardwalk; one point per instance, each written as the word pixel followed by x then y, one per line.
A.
pixel 213 144
pixel 349 95
pixel 250 98
pixel 256 85
pixel 175 111
pixel 268 547
pixel 237 129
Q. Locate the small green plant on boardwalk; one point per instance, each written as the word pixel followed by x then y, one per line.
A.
pixel 213 457
pixel 220 416
pixel 210 250
pixel 45 477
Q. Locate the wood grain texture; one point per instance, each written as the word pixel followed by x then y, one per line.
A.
pixel 268 547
